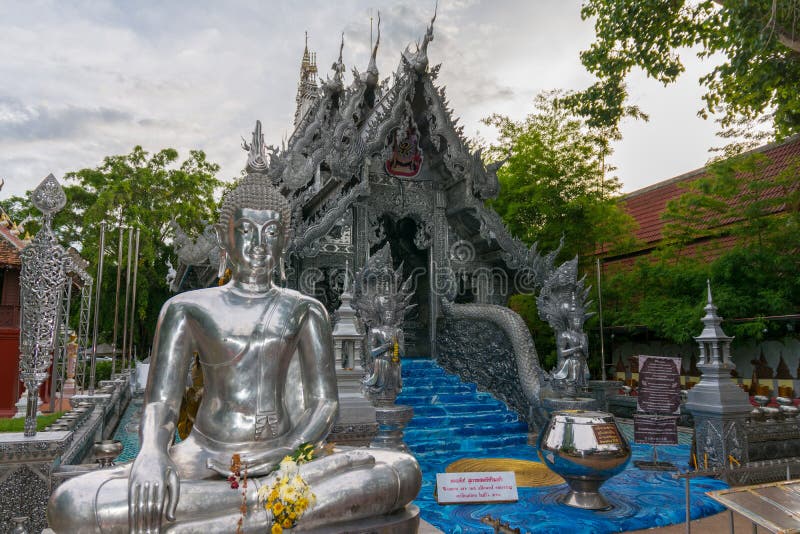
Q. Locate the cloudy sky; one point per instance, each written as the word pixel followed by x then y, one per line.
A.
pixel 82 80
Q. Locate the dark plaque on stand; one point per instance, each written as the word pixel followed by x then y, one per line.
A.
pixel 658 407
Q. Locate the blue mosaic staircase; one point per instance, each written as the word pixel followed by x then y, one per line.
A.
pixel 453 420
pixel 452 416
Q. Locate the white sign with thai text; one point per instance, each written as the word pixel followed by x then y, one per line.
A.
pixel 457 488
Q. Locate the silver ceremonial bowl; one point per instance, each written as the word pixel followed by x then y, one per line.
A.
pixel 585 448
pixel 105 451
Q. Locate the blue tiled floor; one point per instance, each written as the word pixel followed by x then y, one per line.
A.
pixel 452 420
pixel 128 430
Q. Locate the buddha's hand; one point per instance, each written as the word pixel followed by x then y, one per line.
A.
pixel 153 490
pixel 257 464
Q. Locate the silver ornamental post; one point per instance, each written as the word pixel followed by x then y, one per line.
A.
pixel 131 363
pixel 100 254
pixel 42 282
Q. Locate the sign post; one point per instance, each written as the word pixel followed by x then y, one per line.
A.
pixel 658 407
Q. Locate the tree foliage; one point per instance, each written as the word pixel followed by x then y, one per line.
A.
pixel 139 190
pixel 758 39
pixel 755 279
pixel 555 182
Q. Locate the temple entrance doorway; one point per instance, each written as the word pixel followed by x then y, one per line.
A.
pixel 400 235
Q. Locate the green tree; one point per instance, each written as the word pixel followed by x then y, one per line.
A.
pixel 759 40
pixel 139 190
pixel 556 181
pixel 737 199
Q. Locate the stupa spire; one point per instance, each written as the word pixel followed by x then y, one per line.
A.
pixel 307 86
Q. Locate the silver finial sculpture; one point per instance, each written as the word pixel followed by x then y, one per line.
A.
pixel 347 335
pixel 42 281
pixel 381 299
pixel 562 302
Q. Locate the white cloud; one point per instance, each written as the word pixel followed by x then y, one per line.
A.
pixel 85 80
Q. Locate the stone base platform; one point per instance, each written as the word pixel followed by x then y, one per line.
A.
pixel 405 521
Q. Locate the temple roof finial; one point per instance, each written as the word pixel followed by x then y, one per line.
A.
pixel 710 300
pixel 371 76
pixel 419 60
pixel 338 69
pixel 256 159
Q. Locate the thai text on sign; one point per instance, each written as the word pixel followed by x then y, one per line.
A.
pixel 607 434
pixel 659 385
pixel 459 488
pixel 655 429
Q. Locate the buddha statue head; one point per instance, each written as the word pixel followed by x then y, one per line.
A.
pixel 253 227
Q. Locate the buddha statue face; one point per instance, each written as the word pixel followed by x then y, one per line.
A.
pixel 254 220
pixel 254 240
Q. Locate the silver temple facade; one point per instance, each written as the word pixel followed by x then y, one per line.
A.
pixel 384 162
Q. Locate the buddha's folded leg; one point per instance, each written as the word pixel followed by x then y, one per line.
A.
pixel 98 502
pixel 350 485
pixel 369 491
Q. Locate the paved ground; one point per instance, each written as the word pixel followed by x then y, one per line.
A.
pixel 715 524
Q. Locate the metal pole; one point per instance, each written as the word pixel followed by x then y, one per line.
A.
pixel 602 338
pixel 133 299
pixel 97 293
pixel 688 509
pixel 127 296
pixel 116 302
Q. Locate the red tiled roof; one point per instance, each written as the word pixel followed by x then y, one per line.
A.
pixel 10 247
pixel 648 204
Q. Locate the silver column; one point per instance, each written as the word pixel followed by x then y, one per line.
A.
pixel 116 303
pixel 97 293
pixel 42 280
pixel 133 299
pixel 127 296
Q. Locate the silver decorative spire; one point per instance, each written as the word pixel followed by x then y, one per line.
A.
pixel 714 343
pixel 256 159
pixel 371 76
pixel 42 281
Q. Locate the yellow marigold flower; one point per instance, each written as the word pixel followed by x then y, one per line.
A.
pixel 287 523
pixel 276 529
pixel 292 515
pixel 277 507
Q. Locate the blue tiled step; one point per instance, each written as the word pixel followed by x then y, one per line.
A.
pixel 477 446
pixel 427 389
pixel 467 430
pixel 486 417
pixel 447 398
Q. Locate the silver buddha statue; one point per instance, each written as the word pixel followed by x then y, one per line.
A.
pixel 269 386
